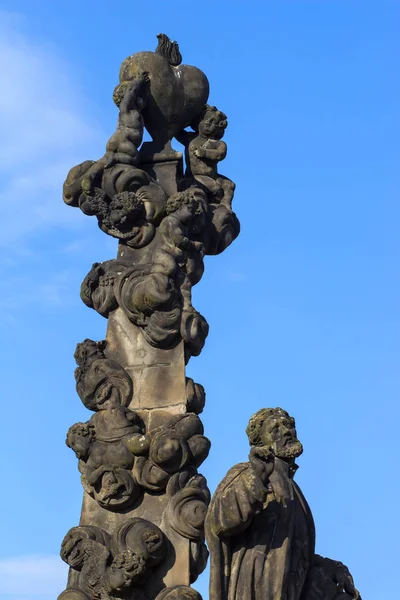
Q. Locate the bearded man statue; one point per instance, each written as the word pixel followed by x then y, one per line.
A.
pixel 259 527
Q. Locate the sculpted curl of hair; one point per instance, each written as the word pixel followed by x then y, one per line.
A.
pixel 207 109
pixel 253 429
pixel 175 201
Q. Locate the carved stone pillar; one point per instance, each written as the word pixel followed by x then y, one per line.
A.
pixel 141 531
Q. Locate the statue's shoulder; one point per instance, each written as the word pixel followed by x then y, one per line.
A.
pixel 232 475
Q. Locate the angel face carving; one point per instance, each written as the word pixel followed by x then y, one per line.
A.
pixel 107 567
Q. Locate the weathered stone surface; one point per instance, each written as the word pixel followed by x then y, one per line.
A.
pixel 148 366
pixel 177 92
pixel 141 534
pixel 141 531
pixel 329 580
pixel 260 530
pixel 179 592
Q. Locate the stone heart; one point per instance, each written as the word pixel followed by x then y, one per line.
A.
pixel 177 93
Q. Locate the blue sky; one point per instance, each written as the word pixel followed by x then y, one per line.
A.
pixel 303 308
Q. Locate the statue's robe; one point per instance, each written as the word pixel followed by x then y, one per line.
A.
pixel 260 535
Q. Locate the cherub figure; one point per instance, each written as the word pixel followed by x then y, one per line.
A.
pixel 178 254
pixel 126 569
pixel 105 461
pixel 121 148
pixel 131 98
pixel 204 150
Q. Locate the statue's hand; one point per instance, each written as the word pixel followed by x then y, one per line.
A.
pixel 132 93
pixel 262 460
pixel 144 76
pixel 200 152
pixel 198 246
pixel 344 579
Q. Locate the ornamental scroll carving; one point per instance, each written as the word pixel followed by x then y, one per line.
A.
pixel 186 513
pixel 169 450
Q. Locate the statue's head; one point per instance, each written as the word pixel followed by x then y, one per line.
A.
pixel 79 438
pixel 101 383
pixel 212 123
pixel 127 568
pixel 124 211
pixel 276 429
pixel 185 204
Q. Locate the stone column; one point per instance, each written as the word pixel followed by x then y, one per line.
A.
pixel 141 531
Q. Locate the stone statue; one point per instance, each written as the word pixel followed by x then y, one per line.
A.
pixel 141 534
pixel 260 529
pixel 204 150
pixel 166 222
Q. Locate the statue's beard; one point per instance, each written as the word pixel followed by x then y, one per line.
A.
pixel 288 448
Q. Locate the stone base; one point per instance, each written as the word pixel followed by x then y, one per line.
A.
pixel 165 165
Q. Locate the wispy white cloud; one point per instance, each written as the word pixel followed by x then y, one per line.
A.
pixel 107 245
pixel 25 291
pixel 75 246
pixel 44 130
pixel 32 577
